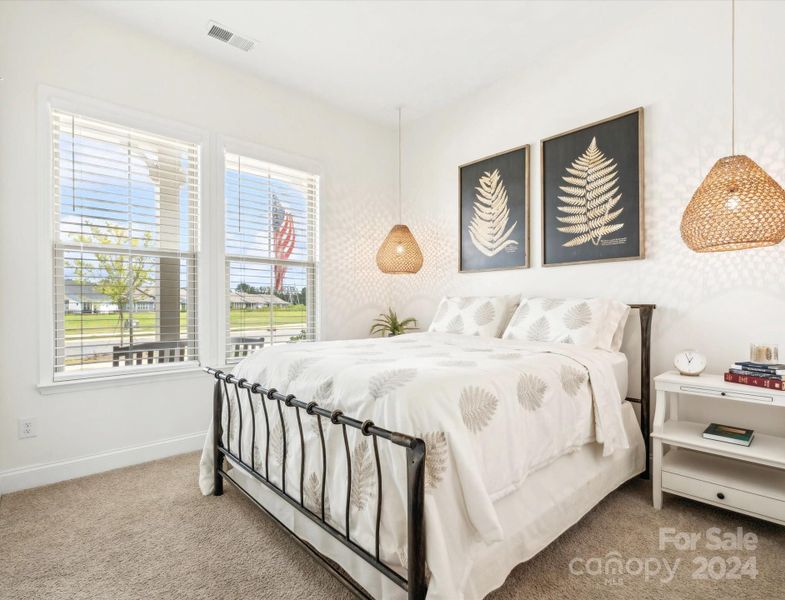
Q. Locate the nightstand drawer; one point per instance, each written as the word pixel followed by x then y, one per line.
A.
pixel 723 495
pixel 730 394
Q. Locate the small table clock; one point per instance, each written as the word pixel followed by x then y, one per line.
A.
pixel 690 362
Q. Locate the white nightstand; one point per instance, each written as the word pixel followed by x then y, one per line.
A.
pixel 750 479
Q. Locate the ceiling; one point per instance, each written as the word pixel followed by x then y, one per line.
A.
pixel 369 57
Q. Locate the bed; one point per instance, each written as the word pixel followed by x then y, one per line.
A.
pixel 506 445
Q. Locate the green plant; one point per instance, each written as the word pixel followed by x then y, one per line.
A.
pixel 389 324
pixel 299 337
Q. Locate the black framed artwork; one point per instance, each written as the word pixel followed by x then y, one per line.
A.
pixel 494 212
pixel 592 192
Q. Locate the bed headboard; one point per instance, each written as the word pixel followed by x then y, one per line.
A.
pixel 637 347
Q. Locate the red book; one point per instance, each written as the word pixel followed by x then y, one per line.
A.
pixel 772 384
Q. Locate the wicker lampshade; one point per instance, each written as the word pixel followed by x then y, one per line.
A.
pixel 737 206
pixel 399 252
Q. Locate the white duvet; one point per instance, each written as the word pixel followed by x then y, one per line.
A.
pixel 491 412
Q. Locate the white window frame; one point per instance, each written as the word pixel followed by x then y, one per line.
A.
pixel 210 252
pixel 226 144
pixel 50 99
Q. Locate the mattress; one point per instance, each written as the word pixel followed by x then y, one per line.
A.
pixel 620 366
pixel 548 503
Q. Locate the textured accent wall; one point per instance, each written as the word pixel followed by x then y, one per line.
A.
pixel 674 60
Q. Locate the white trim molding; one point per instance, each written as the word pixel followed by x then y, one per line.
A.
pixel 126 378
pixel 31 476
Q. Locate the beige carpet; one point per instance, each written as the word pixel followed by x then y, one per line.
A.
pixel 146 532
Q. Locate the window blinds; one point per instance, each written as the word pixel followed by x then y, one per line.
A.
pixel 271 254
pixel 125 243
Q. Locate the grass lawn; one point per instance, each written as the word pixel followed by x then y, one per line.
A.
pixel 96 324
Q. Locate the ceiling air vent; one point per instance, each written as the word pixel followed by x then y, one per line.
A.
pixel 221 33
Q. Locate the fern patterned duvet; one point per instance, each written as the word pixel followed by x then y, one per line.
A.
pixel 491 412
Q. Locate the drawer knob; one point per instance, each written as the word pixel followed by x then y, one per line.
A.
pixel 722 393
pixel 720 495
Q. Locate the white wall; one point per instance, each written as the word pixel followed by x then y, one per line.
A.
pixel 68 47
pixel 674 60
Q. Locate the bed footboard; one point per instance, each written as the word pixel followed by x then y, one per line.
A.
pixel 229 388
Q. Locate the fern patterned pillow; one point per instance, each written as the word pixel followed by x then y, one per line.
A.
pixel 580 321
pixel 484 316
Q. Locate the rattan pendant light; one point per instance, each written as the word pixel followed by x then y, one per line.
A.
pixel 399 252
pixel 738 205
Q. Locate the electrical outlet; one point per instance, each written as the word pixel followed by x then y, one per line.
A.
pixel 27 428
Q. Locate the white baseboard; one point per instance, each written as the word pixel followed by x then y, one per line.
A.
pixel 32 476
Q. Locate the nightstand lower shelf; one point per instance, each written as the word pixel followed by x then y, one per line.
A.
pixel 729 483
pixel 765 449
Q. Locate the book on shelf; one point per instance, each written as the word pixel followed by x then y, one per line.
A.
pixel 729 434
pixel 759 367
pixel 739 371
pixel 764 382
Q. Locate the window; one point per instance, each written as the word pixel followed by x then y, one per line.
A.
pixel 271 254
pixel 125 243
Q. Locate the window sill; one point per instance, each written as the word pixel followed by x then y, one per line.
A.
pixel 113 381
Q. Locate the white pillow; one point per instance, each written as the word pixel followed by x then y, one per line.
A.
pixel 484 316
pixel 617 314
pixel 587 322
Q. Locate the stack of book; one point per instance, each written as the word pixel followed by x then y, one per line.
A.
pixel 758 374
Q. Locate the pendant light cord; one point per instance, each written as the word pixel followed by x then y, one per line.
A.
pixel 400 210
pixel 733 78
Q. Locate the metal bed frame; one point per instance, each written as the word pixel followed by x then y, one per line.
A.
pixel 416 585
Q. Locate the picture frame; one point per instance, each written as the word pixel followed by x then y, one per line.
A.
pixel 614 149
pixel 493 212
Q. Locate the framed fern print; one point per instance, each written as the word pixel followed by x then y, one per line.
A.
pixel 592 192
pixel 494 212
